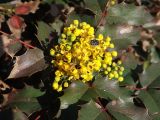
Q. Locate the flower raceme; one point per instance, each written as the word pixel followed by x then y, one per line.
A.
pixel 80 54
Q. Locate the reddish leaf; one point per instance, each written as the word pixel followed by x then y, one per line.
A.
pixel 16 22
pixel 22 10
pixel 27 7
pixel 16 25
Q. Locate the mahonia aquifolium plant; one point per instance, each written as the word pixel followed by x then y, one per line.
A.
pixel 80 54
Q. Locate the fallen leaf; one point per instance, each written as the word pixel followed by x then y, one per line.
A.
pixel 27 7
pixel 10 46
pixel 16 25
pixel 29 63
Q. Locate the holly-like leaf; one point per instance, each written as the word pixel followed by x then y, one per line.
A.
pixel 44 31
pixel 72 94
pixel 150 99
pixel 110 89
pixel 82 17
pixel 122 110
pixel 97 7
pixel 25 99
pixel 128 80
pixel 128 14
pixel 102 87
pixel 10 46
pixel 92 111
pixel 29 63
pixel 122 35
pixel 130 62
pixel 150 74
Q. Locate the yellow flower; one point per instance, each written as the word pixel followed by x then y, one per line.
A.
pixel 58 73
pixel 108 39
pixel 122 69
pixel 100 36
pixel 66 84
pixel 114 53
pixel 111 45
pixel 120 79
pixel 59 89
pixel 113 2
pixel 57 78
pixel 75 22
pixel 63 36
pixel 52 52
pixel 80 54
pixel 55 85
pixel 77 32
pixel 73 37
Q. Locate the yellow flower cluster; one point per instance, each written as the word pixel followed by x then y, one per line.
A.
pixel 113 2
pixel 80 55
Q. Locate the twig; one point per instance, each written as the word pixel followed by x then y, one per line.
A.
pixel 99 102
pixel 23 43
pixel 4 33
pixel 135 88
pixel 103 15
pixel 104 109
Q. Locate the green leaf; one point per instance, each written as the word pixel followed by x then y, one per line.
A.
pixel 128 14
pixel 122 35
pixel 122 110
pixel 90 94
pixel 26 100
pixel 44 31
pixel 154 56
pixel 96 6
pixel 82 17
pixel 150 74
pixel 110 88
pixel 92 111
pixel 151 100
pixel 130 62
pixel 72 94
pixel 102 87
pixel 57 25
pixel 157 37
pixel 128 80
pixel 155 84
